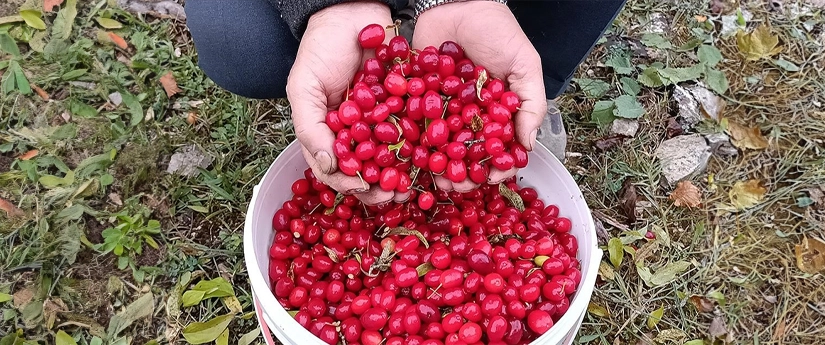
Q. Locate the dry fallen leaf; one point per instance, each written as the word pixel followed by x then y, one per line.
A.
pixel 759 43
pixel 117 40
pixel 747 194
pixel 11 210
pixel 23 296
pixel 169 84
pixel 597 310
pixel 700 18
pixel 702 304
pixel 48 5
pixel 609 142
pixel 43 95
pixel 50 309
pixel 192 117
pixel 810 255
pixel 817 195
pixel 627 200
pixel 686 194
pixel 674 128
pixel 746 137
pixel 28 155
pixel 718 328
pixel 779 332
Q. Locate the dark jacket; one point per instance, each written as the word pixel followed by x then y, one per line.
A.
pixel 296 13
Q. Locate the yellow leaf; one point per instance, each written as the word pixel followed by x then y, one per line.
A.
pixel 686 194
pixel 746 137
pixel 597 310
pixel 758 44
pixel 32 18
pixel 810 255
pixel 108 23
pixel 747 194
pixel 654 317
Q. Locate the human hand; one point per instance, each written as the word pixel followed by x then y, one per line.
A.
pixel 492 38
pixel 327 60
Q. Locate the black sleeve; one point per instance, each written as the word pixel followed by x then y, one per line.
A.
pixel 296 13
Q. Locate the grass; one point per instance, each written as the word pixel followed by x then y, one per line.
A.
pixel 740 275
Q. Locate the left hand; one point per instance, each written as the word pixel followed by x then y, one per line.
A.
pixel 492 38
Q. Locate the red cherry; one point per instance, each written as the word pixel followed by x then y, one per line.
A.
pixel 456 171
pixel 371 36
pixel 539 321
pixel 399 48
pixel 374 67
pixel 438 162
pixel 389 179
pixel 510 100
pixel 519 155
pixel 334 121
pixel 437 133
pixel 349 112
pixel 349 165
pixel 395 84
pixel 452 50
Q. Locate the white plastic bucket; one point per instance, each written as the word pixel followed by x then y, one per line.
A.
pixel 544 173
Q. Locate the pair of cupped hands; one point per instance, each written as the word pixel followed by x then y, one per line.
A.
pixel 329 56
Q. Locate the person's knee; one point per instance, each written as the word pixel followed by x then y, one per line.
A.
pixel 252 59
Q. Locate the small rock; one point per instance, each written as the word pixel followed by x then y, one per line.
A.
pixel 625 127
pixel 83 84
pixel 187 160
pixel 692 100
pixel 683 156
pixel 720 144
pixel 115 98
pixel 166 7
pixel 658 23
pixel 729 24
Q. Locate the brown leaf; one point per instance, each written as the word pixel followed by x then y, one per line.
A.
pixel 11 210
pixel 43 95
pixel 169 84
pixel 191 117
pixel 817 194
pixel 686 194
pixel 23 296
pixel 810 255
pixel 48 5
pixel 702 304
pixel 117 40
pixel 674 128
pixel 746 137
pixel 779 331
pixel 609 142
pixel 718 328
pixel 627 200
pixel 700 18
pixel 28 155
pixel 50 309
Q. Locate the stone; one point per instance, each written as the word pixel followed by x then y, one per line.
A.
pixel 658 23
pixel 683 156
pixel 187 160
pixel 626 127
pixel 720 144
pixel 116 98
pixel 695 103
pixel 164 7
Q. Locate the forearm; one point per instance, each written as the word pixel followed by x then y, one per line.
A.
pixel 296 13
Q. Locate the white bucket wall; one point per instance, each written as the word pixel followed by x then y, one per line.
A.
pixel 544 173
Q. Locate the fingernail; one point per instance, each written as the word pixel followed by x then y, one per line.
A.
pixel 356 191
pixel 324 161
pixel 532 139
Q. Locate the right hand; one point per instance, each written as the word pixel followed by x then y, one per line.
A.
pixel 328 58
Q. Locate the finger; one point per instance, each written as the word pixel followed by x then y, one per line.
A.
pixel 498 176
pixel 375 196
pixel 337 180
pixel 402 197
pixel 526 80
pixel 443 183
pixel 309 110
pixel 465 186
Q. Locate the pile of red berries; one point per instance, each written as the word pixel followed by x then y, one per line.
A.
pixel 493 266
pixel 431 110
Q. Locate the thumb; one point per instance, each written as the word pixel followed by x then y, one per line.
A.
pixel 528 83
pixel 309 117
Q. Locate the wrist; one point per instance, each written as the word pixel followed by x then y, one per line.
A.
pixel 422 6
pixel 354 12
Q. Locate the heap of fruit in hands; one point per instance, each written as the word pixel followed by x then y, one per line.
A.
pixel 491 266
